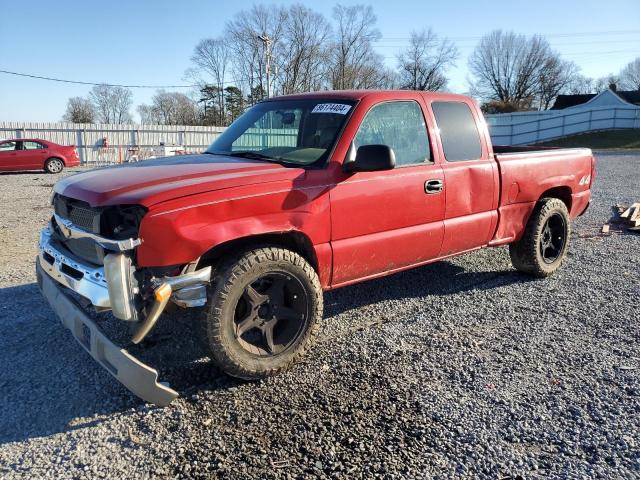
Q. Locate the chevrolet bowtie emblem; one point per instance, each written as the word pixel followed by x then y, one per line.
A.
pixel 64 227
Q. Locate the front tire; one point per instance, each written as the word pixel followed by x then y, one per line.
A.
pixel 543 247
pixel 53 165
pixel 264 311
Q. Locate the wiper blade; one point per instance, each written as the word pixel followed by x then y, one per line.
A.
pixel 251 154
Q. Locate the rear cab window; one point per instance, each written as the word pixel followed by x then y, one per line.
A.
pixel 458 131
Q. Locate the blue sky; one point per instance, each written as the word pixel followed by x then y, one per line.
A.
pixel 150 42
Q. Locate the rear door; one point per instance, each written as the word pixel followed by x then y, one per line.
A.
pixel 470 174
pixel 8 155
pixel 33 155
pixel 386 221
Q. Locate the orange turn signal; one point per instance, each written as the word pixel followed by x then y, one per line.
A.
pixel 163 292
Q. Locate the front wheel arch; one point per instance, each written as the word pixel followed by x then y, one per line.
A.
pixel 295 241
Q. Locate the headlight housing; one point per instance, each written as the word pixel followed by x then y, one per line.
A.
pixel 121 221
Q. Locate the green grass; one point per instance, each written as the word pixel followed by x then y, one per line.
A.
pixel 606 139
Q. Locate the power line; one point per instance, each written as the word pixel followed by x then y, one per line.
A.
pixel 549 35
pixel 79 82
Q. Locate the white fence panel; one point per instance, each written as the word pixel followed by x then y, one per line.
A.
pixel 522 128
pixel 122 139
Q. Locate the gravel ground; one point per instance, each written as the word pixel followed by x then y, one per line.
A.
pixel 459 369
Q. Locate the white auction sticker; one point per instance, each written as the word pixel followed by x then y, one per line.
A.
pixel 338 108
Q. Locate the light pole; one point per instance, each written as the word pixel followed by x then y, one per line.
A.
pixel 267 53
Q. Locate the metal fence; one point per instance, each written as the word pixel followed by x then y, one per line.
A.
pixel 534 127
pixel 122 140
pixel 259 138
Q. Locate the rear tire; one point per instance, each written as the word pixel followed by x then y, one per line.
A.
pixel 53 165
pixel 543 247
pixel 263 312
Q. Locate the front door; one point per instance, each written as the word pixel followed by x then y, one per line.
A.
pixel 386 221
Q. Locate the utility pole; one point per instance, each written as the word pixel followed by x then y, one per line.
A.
pixel 267 53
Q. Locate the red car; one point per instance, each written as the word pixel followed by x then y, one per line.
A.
pixel 36 154
pixel 300 195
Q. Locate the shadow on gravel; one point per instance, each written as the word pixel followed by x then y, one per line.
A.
pixel 26 172
pixel 50 384
pixel 441 278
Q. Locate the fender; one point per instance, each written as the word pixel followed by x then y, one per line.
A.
pixel 180 231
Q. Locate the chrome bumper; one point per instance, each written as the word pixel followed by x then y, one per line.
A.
pixel 87 281
pixel 138 377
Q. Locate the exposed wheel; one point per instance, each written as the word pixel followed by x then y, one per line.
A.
pixel 543 246
pixel 264 310
pixel 53 165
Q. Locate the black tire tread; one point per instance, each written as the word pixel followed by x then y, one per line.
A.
pixel 224 277
pixel 523 253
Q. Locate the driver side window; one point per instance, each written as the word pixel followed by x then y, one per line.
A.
pixel 399 125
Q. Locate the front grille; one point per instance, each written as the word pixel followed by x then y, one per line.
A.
pixel 81 214
pixel 86 217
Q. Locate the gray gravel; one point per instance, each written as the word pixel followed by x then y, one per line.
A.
pixel 459 369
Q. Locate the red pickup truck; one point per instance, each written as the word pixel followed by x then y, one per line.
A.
pixel 302 194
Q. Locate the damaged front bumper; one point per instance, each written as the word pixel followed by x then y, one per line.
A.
pixel 139 378
pixel 112 287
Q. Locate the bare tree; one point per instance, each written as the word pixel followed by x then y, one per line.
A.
pixel 211 56
pixel 355 63
pixel 556 76
pixel 423 64
pixel 169 108
pixel 580 84
pixel 112 104
pixel 630 76
pixel 604 83
pixel 508 67
pixel 303 53
pixel 248 55
pixel 79 110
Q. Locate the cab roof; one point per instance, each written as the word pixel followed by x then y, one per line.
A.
pixel 355 95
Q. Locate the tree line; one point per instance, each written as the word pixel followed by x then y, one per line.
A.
pixel 307 52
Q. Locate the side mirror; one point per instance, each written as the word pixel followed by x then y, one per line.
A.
pixel 371 158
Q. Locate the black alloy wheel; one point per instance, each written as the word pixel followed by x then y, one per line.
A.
pixel 552 238
pixel 271 314
pixel 264 310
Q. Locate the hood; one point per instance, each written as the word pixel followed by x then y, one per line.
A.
pixel 153 181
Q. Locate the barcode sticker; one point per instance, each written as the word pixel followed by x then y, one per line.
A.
pixel 338 108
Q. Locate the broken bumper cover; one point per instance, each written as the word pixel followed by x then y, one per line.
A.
pixel 139 378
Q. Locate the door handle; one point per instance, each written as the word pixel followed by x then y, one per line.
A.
pixel 433 186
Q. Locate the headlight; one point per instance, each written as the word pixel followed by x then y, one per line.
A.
pixel 122 221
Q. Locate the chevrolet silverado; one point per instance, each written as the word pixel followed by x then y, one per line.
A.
pixel 300 195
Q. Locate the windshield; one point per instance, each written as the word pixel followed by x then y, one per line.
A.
pixel 298 132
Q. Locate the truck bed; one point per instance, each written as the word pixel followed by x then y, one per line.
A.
pixel 529 173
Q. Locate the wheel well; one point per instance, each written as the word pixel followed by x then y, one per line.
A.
pixel 561 193
pixel 294 241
